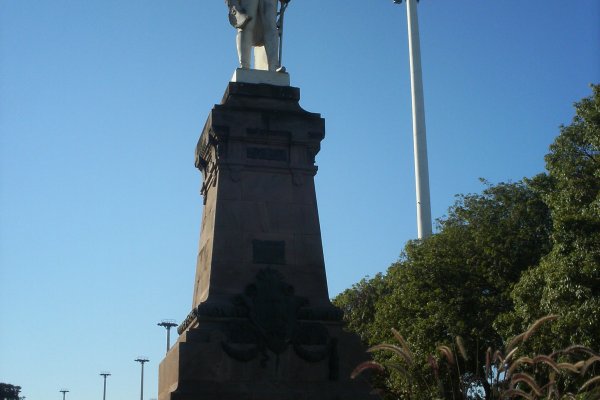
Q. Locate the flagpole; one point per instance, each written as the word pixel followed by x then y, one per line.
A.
pixel 419 132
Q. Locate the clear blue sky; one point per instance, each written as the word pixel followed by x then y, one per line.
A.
pixel 101 104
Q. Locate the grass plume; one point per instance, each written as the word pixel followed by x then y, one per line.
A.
pixel 512 376
pixel 460 344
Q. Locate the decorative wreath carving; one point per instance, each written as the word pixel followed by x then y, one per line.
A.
pixel 272 325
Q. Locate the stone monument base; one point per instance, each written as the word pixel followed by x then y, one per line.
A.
pixel 206 364
pixel 256 76
pixel 261 326
pixel 267 343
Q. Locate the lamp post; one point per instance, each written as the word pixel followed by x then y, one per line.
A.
pixel 168 324
pixel 142 360
pixel 418 117
pixel 104 375
pixel 64 392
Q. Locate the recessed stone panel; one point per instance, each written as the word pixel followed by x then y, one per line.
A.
pixel 266 154
pixel 268 252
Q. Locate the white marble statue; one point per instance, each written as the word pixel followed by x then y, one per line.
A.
pixel 256 24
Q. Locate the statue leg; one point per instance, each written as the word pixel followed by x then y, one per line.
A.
pixel 261 61
pixel 268 13
pixel 245 36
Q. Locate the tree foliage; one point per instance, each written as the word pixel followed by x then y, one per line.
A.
pixel 456 282
pixel 9 392
pixel 567 280
pixel 500 260
pixel 358 304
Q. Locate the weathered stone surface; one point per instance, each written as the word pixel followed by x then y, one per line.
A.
pixel 261 325
pixel 256 154
pixel 268 343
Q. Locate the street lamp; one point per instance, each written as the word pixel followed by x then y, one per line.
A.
pixel 64 392
pixel 104 374
pixel 141 360
pixel 168 324
pixel 418 116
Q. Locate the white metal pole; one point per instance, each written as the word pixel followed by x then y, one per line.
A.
pixel 142 384
pixel 419 132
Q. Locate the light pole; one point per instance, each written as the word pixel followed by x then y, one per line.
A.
pixel 104 375
pixel 418 116
pixel 142 360
pixel 168 324
pixel 64 392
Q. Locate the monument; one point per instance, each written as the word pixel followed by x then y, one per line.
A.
pixel 261 325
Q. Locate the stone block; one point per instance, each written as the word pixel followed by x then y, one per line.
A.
pixel 256 76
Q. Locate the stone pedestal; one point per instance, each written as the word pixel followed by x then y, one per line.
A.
pixel 262 326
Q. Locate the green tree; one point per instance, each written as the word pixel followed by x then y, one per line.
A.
pixel 9 392
pixel 456 282
pixel 500 260
pixel 358 304
pixel 567 281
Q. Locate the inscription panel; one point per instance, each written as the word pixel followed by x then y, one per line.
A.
pixel 266 153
